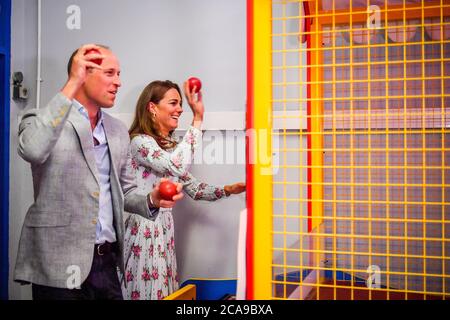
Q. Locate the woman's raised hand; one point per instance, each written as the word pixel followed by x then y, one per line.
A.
pixel 195 101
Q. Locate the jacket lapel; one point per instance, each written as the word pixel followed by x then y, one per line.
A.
pixel 114 145
pixel 113 140
pixel 84 132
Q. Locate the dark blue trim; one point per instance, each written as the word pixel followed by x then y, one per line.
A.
pixel 5 57
pixel 213 289
pixel 341 276
pixel 293 276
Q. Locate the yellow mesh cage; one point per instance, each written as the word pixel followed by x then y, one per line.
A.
pixel 356 102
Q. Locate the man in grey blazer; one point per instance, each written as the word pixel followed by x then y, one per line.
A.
pixel 71 245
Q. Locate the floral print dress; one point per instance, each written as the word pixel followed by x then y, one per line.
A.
pixel 150 259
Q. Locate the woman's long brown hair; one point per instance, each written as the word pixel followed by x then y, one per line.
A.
pixel 143 122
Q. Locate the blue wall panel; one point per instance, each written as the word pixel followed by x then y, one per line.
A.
pixel 5 48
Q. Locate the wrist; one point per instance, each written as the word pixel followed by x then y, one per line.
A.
pixel 197 122
pixel 150 202
pixel 198 117
pixel 70 89
pixel 227 190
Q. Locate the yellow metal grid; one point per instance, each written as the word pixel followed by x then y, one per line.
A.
pixel 379 148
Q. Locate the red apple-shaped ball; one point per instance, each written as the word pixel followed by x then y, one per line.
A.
pixel 167 189
pixel 96 51
pixel 194 82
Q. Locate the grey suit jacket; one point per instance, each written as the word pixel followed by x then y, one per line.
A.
pixel 58 234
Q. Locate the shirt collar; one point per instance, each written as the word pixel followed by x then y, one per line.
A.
pixel 82 110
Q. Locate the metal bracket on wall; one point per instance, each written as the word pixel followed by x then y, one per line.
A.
pixel 19 92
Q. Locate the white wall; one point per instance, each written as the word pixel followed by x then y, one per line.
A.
pixel 154 39
pixel 206 233
pixel 23 58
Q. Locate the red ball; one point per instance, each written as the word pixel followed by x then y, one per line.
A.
pixel 194 82
pixel 167 189
pixel 93 50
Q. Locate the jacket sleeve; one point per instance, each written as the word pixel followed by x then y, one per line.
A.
pixel 40 129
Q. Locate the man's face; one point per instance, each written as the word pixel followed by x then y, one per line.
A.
pixel 101 86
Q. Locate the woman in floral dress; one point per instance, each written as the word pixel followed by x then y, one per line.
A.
pixel 151 267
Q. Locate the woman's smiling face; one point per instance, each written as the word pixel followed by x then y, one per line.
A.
pixel 167 111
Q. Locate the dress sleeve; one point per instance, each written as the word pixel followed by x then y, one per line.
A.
pixel 146 152
pixel 199 190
